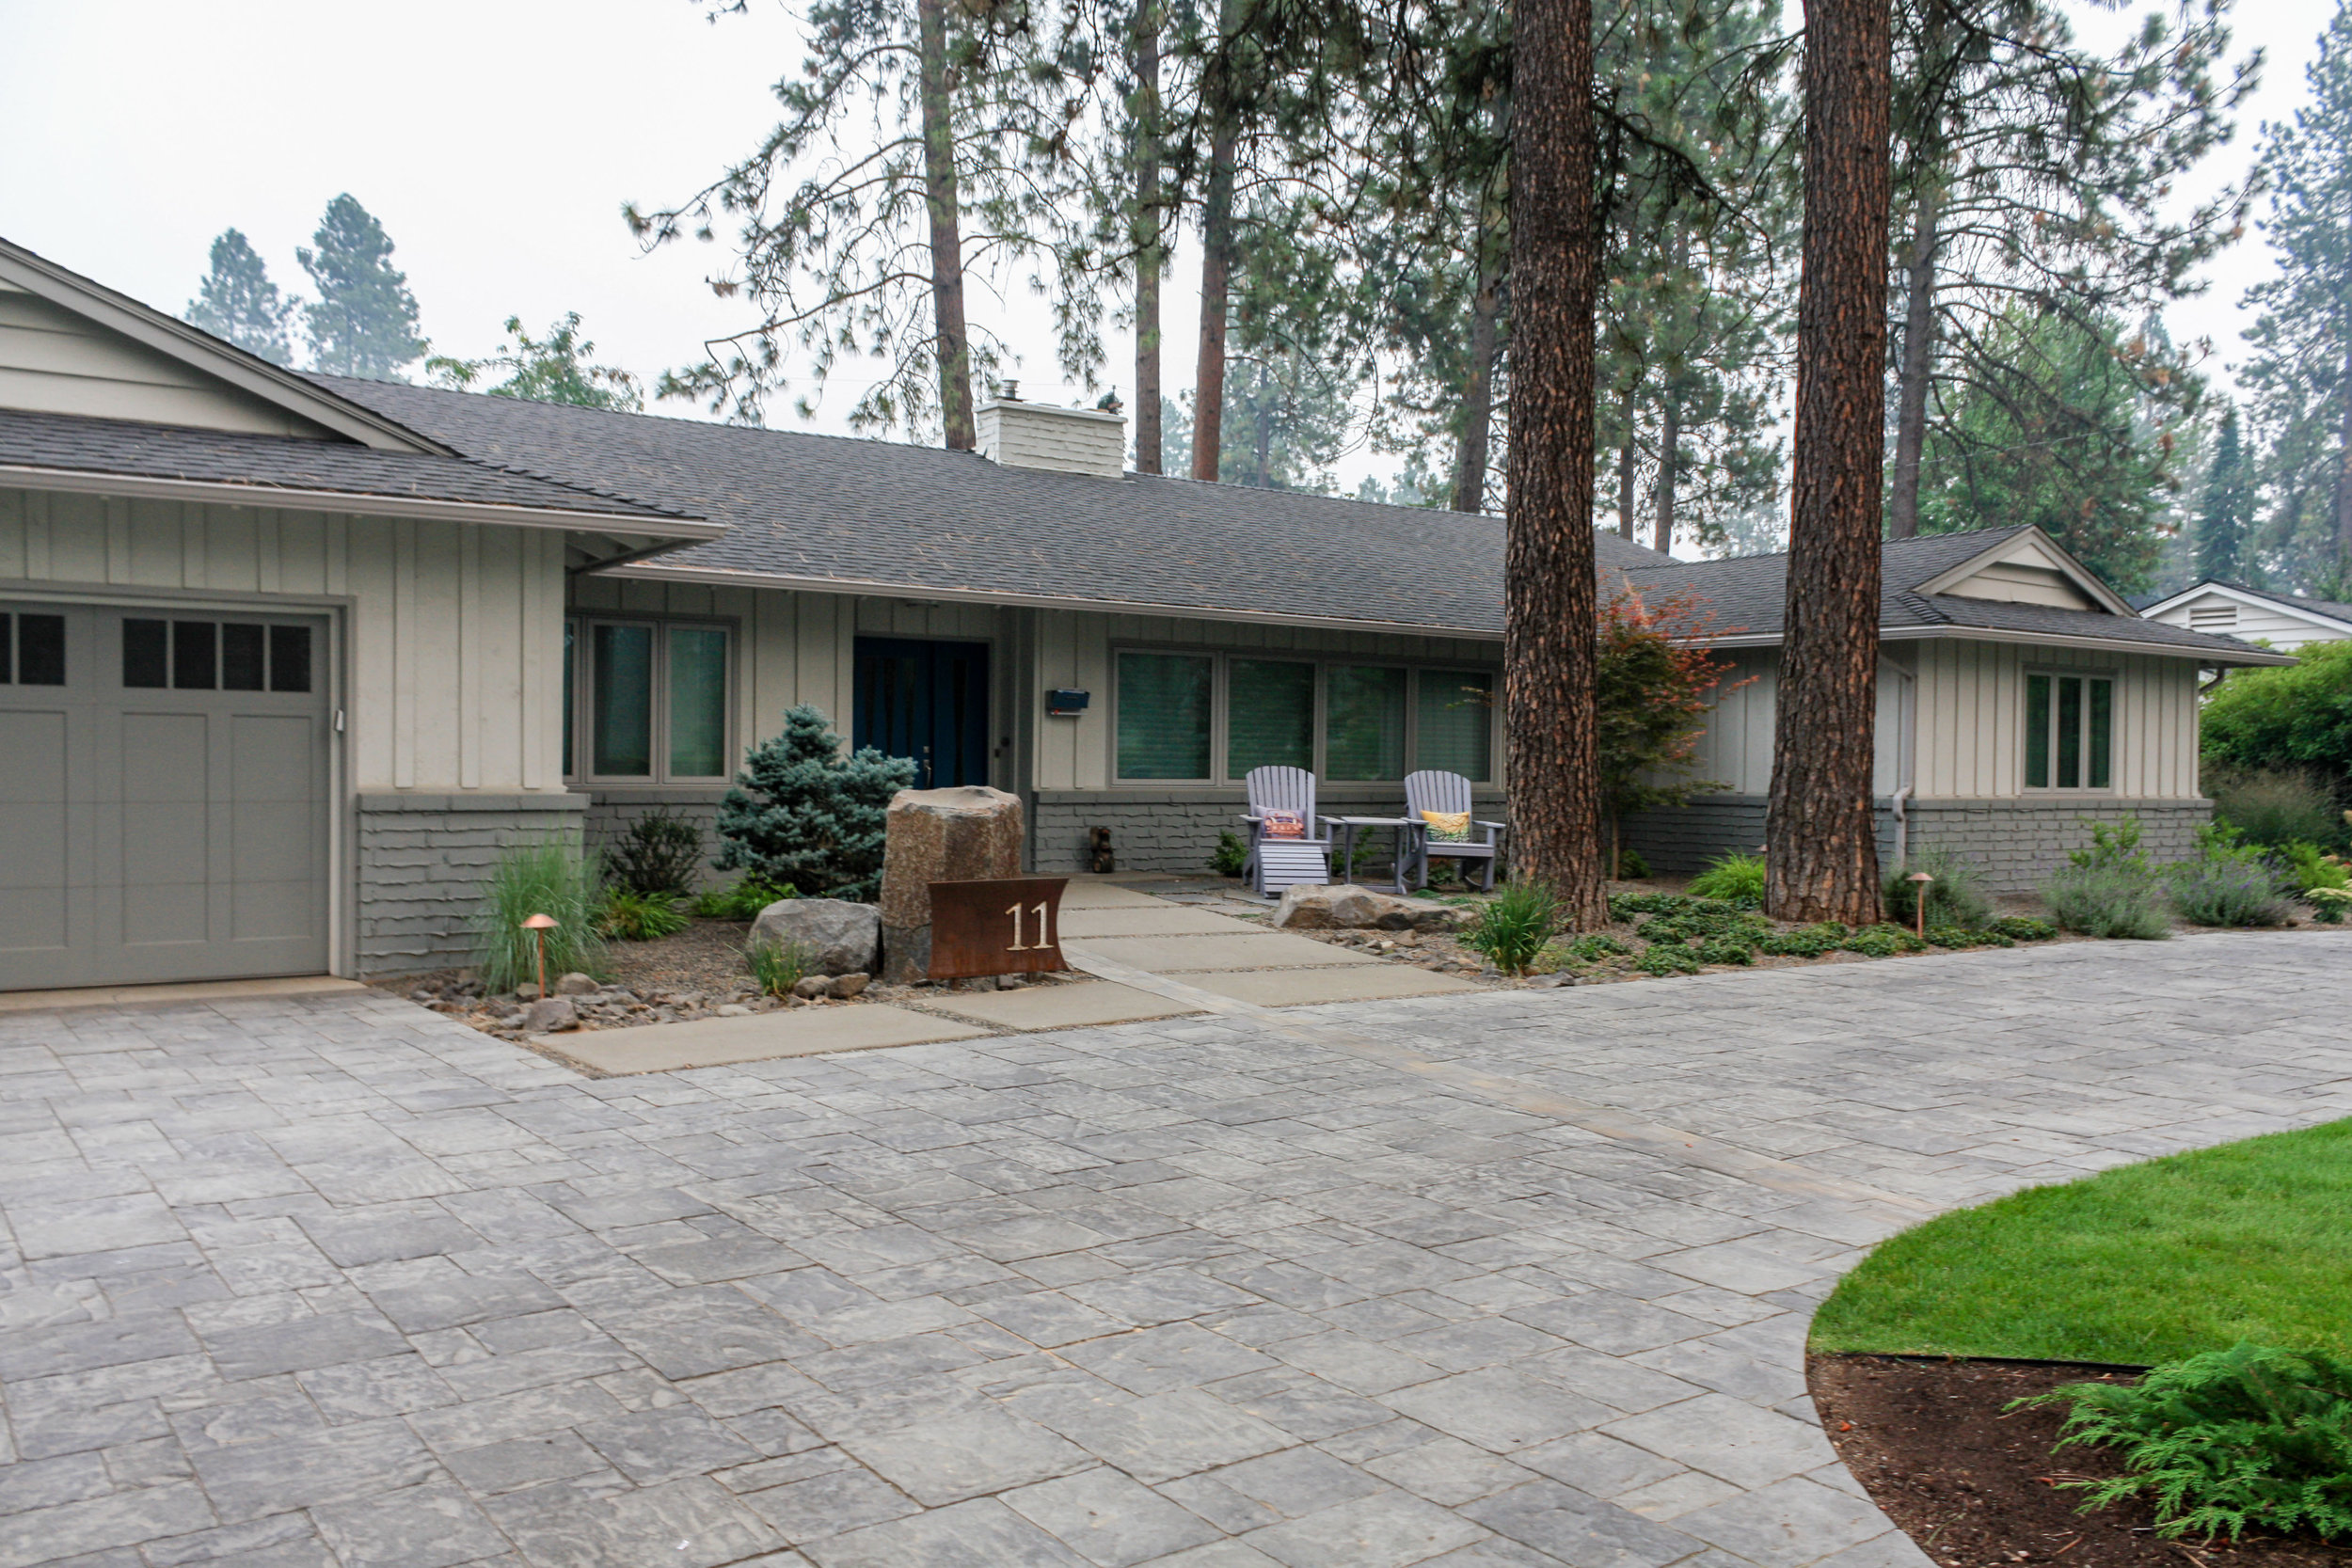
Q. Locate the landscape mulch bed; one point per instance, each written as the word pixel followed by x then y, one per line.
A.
pixel 1975 1484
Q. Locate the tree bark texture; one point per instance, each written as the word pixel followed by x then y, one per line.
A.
pixel 1822 861
pixel 1669 453
pixel 1625 472
pixel 953 338
pixel 1550 645
pixel 1478 394
pixel 1218 93
pixel 2343 473
pixel 1918 366
pixel 1150 258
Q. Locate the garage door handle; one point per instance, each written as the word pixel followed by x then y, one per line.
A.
pixel 339 721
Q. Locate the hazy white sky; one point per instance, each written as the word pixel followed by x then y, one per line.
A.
pixel 498 138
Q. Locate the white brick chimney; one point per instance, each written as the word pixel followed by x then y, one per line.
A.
pixel 1040 435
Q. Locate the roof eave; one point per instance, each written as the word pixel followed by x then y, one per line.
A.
pixel 1914 632
pixel 865 588
pixel 92 483
pixel 2252 599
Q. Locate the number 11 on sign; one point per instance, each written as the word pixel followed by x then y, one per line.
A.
pixel 1044 938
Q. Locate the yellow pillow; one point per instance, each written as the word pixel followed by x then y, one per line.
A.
pixel 1448 827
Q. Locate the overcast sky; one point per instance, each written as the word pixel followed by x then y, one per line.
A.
pixel 498 138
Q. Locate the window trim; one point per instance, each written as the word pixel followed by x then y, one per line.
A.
pixel 2086 674
pixel 580 624
pixel 1221 659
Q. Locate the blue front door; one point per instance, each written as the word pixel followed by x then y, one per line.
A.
pixel 927 700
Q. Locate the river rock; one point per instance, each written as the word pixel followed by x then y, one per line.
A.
pixel 968 833
pixel 1346 906
pixel 576 984
pixel 550 1015
pixel 834 937
pixel 808 987
pixel 847 986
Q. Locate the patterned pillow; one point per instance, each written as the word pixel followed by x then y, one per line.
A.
pixel 1285 824
pixel 1448 827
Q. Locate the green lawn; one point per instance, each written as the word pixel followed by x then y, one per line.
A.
pixel 2141 1264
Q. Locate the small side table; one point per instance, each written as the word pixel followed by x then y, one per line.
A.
pixel 1345 840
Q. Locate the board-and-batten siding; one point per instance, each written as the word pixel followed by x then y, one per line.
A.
pixel 453 630
pixel 1736 748
pixel 1972 722
pixel 54 361
pixel 1075 649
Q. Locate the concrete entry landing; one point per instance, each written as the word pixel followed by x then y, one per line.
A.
pixel 1201 954
pixel 762 1037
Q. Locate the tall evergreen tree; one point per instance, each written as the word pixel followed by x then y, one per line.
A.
pixel 2228 512
pixel 237 301
pixel 364 321
pixel 2300 371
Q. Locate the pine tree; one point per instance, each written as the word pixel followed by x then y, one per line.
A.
pixel 364 321
pixel 802 814
pixel 237 301
pixel 2228 510
pixel 2301 373
pixel 554 368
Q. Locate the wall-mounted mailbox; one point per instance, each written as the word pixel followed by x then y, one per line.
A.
pixel 1061 703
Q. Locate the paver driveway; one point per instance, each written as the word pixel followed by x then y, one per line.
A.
pixel 337 1282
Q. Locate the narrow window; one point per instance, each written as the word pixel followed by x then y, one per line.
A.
pixel 1364 732
pixel 242 657
pixel 623 700
pixel 571 635
pixel 2037 731
pixel 2102 738
pixel 40 650
pixel 1269 715
pixel 1454 713
pixel 1164 716
pixel 146 654
pixel 2070 732
pixel 698 702
pixel 290 658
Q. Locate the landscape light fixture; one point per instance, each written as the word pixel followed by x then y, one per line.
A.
pixel 539 925
pixel 1919 880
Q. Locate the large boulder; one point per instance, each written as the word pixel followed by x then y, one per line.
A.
pixel 1346 906
pixel 834 937
pixel 968 833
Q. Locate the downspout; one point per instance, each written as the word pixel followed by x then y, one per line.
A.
pixel 1902 825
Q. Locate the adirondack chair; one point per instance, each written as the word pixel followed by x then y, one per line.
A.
pixel 1275 788
pixel 1448 792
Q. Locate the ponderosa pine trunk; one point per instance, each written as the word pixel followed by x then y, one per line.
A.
pixel 1478 393
pixel 952 337
pixel 1218 89
pixel 1625 472
pixel 1550 617
pixel 1669 453
pixel 1150 258
pixel 1918 365
pixel 1822 858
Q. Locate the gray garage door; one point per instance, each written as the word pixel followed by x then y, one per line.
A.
pixel 162 795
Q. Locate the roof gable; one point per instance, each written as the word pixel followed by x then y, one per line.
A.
pixel 2198 605
pixel 69 345
pixel 2026 568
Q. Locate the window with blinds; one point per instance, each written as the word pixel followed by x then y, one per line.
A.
pixel 1270 715
pixel 655 703
pixel 1164 715
pixel 1364 732
pixel 1454 728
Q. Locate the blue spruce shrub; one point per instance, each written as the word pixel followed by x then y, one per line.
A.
pixel 804 814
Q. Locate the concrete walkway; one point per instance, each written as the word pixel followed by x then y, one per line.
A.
pixel 1510 1278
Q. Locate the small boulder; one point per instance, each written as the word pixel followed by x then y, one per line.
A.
pixel 811 986
pixel 734 1009
pixel 1347 906
pixel 576 984
pixel 845 986
pixel 550 1015
pixel 527 991
pixel 835 936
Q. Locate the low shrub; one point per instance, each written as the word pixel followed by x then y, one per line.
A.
pixel 741 900
pixel 629 916
pixel 1699 919
pixel 2249 1437
pixel 807 811
pixel 2273 806
pixel 1631 865
pixel 1805 942
pixel 1734 878
pixel 660 853
pixel 2024 927
pixel 1599 945
pixel 1966 936
pixel 2110 889
pixel 2229 885
pixel 1670 957
pixel 1726 950
pixel 1625 906
pixel 2314 868
pixel 1956 898
pixel 1882 941
pixel 550 878
pixel 1230 856
pixel 1515 926
pixel 777 967
pixel 2329 905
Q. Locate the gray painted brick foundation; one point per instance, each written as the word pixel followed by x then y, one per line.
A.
pixel 423 860
pixel 2014 844
pixel 1176 830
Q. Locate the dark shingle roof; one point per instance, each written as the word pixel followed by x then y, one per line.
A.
pixel 135 450
pixel 1747 597
pixel 864 514
pixel 2318 607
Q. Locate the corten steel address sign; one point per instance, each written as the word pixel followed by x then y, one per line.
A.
pixel 1005 925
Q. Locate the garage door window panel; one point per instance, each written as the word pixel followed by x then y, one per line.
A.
pixel 32 649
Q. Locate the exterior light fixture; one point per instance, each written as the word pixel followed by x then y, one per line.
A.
pixel 1919 880
pixel 539 925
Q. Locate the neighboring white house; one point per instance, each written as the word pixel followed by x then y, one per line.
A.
pixel 285 660
pixel 2278 620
